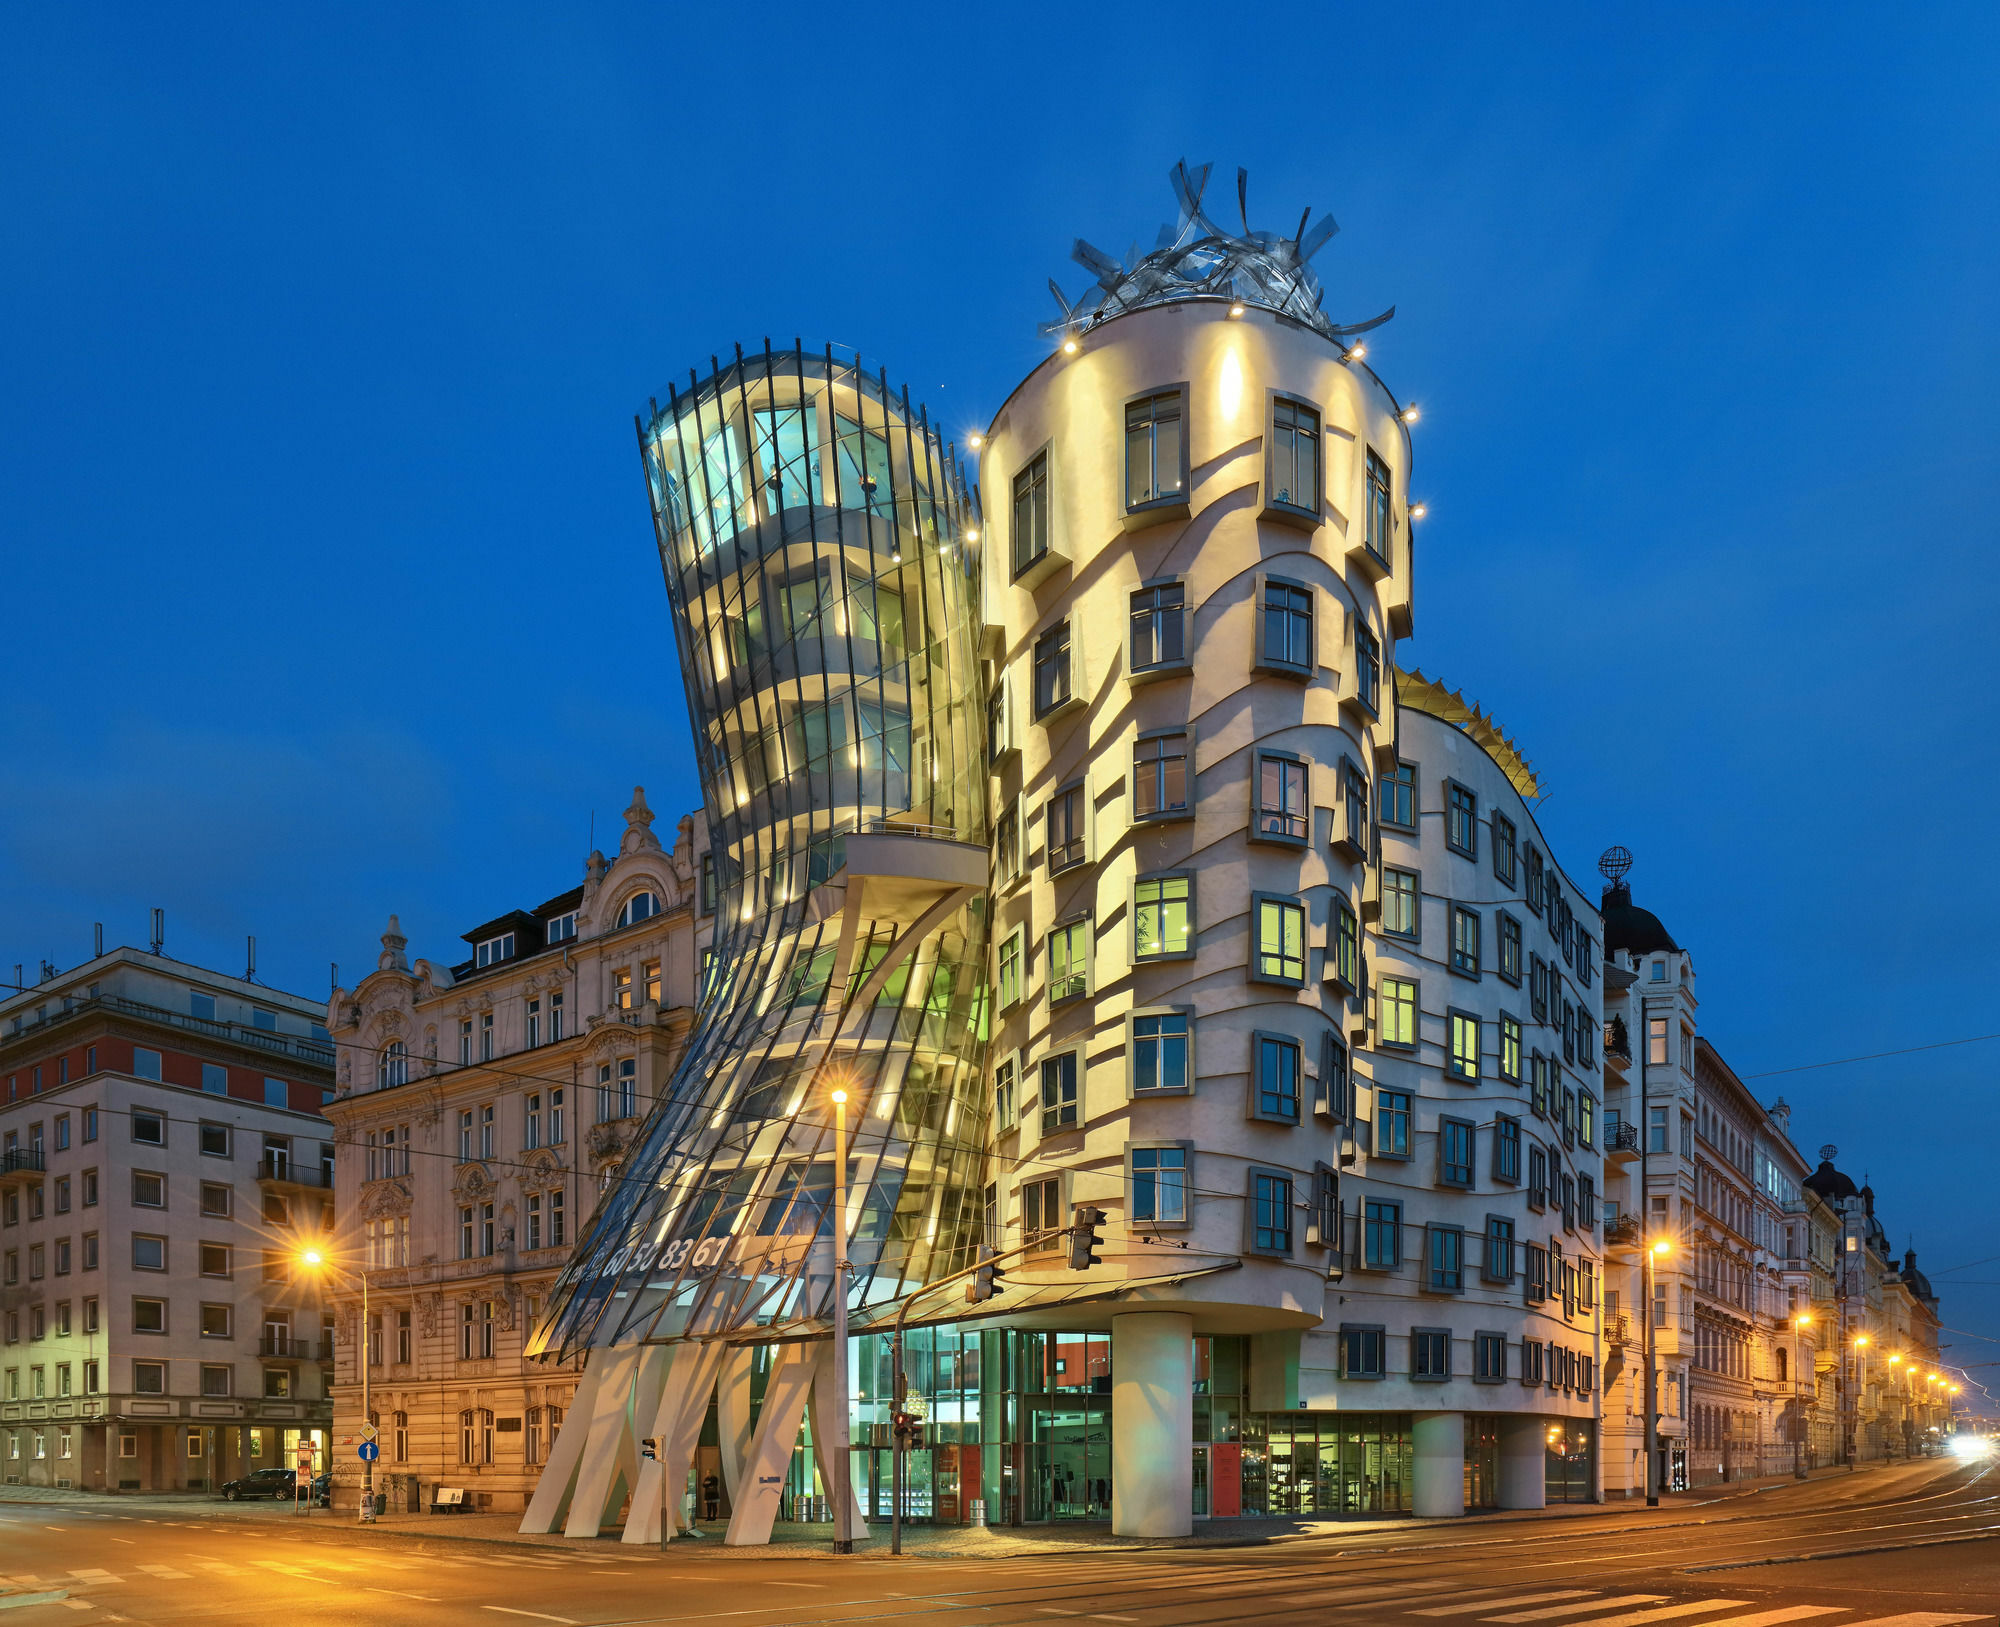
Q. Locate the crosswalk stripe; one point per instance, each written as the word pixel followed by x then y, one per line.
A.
pixel 1770 1618
pixel 166 1573
pixel 1578 1609
pixel 1920 1618
pixel 1501 1604
pixel 1642 1618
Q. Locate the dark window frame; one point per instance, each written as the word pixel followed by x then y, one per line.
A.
pixel 1461 819
pixel 1265 1041
pixel 1260 812
pixel 1301 602
pixel 1155 615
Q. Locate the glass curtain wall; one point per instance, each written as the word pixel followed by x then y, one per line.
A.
pixel 811 527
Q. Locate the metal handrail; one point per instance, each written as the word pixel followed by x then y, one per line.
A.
pixel 1622 1137
pixel 292 1172
pixel 29 1158
pixel 317 1051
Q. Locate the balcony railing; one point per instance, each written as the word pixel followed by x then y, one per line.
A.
pixel 1622 1232
pixel 22 1158
pixel 1621 1137
pixel 1617 1330
pixel 292 1174
pixel 316 1053
pixel 283 1347
pixel 1616 1045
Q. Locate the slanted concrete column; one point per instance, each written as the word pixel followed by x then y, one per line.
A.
pixel 1152 1424
pixel 1524 1478
pixel 1438 1442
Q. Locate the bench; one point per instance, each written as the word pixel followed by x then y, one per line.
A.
pixel 450 1500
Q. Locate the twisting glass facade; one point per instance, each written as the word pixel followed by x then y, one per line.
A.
pixel 816 539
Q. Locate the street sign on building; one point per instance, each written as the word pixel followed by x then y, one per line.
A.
pixel 369 1451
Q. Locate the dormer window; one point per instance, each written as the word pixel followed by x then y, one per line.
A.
pixel 641 906
pixel 492 951
pixel 562 928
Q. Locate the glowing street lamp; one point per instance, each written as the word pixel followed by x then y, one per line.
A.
pixel 1658 1249
pixel 312 1259
pixel 836 1456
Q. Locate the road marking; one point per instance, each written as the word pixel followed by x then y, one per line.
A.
pixel 1639 1618
pixel 1501 1604
pixel 126 1540
pixel 536 1614
pixel 799 1584
pixel 166 1573
pixel 1920 1618
pixel 1053 1610
pixel 394 1594
pixel 1770 1618
pixel 1114 1618
pixel 1578 1609
pixel 14 1601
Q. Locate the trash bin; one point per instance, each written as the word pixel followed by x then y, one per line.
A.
pixel 381 1502
pixel 976 1511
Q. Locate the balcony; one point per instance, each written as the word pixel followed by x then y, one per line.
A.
pixel 316 1053
pixel 1621 1142
pixel 1618 1330
pixel 275 1171
pixel 1622 1233
pixel 283 1347
pixel 21 1161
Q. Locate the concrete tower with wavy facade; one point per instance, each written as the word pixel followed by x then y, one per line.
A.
pixel 813 530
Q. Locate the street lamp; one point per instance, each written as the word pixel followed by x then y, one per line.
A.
pixel 1799 1324
pixel 313 1260
pixel 836 1441
pixel 1659 1248
pixel 1860 1352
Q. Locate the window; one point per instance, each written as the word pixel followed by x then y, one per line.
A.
pixel 1447 1259
pixel 1158 1193
pixel 1379 524
pixel 1041 1212
pixel 1162 907
pixel 1361 1351
pixel 1396 1000
pixel 490 951
pixel 149 1316
pixel 148 1378
pixel 1510 949
pixel 1506 1149
pixel 1463 1062
pixel 1155 450
pixel 1398 797
pixel 1499 1265
pixel 402 1351
pixel 1489 1358
pixel 486 1031
pixel 1461 819
pixel 1059 1093
pixel 1538 1177
pixel 534 1022
pixel 707 894
pixel 1455 1152
pixel 1464 941
pixel 1658 972
pixel 641 906
pixel 1069 962
pixel 1343 945
pixel 145 1065
pixel 1271 1212
pixel 62 1194
pixel 465 1233
pixel 149 1253
pixel 90 1113
pixel 148 1127
pixel 1367 668
pixel 1277 1081
pixel 62 1122
pixel 1334 1097
pixel 1382 1234
pixel 486 1130
pixel 1159 776
pixel 1510 1048
pixel 1066 829
pixel 1392 1123
pixel 1159 627
pixel 1532 865
pixel 1400 893
pixel 89 1252
pixel 1052 670
pixel 216 1321
pixel 486 1238
pixel 1506 854
pixel 1656 1041
pixel 1285 628
pixel 1280 949
pixel 1159 1052
pixel 465 1042
pixel 1295 482
pixel 1010 957
pixel 214 1259
pixel 1282 814
pixel 1430 1355
pixel 1004 1104
pixel 1535 1274
pixel 1031 513
pixel 1352 832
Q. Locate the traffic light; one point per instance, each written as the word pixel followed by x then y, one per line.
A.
pixel 1084 1238
pixel 986 1282
pixel 649 1447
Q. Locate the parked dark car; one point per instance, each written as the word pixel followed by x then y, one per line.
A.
pixel 261 1483
pixel 322 1489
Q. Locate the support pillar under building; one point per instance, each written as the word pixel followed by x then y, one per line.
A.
pixel 1438 1447
pixel 1152 1424
pixel 1524 1478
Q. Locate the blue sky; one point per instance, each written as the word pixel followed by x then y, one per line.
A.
pixel 330 588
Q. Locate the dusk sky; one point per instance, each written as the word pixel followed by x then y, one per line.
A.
pixel 331 590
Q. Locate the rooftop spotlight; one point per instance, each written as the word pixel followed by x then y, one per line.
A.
pixel 1409 414
pixel 1236 307
pixel 1358 352
pixel 1069 345
pixel 1418 511
pixel 975 440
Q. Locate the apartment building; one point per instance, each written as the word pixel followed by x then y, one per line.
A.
pixel 163 1159
pixel 482 1108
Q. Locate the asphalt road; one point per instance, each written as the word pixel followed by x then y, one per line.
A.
pixel 1913 1546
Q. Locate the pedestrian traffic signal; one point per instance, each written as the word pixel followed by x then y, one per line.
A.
pixel 985 1282
pixel 649 1447
pixel 1085 1239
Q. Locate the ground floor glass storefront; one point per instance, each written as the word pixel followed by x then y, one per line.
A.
pixel 1021 1423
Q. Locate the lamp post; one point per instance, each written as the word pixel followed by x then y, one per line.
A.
pixel 1860 1352
pixel 836 1427
pixel 1658 1247
pixel 1799 1324
pixel 313 1260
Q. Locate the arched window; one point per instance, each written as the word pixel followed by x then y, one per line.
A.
pixel 1782 1353
pixel 641 906
pixel 392 1067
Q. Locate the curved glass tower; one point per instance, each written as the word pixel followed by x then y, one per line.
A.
pixel 817 538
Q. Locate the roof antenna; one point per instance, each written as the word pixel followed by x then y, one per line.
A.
pixel 97 938
pixel 1243 197
pixel 159 941
pixel 250 973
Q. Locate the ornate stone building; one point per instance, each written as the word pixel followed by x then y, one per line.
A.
pixel 481 1110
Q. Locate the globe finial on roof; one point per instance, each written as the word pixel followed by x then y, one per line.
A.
pixel 1197 258
pixel 1614 864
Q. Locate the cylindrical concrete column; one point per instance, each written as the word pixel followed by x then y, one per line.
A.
pixel 1438 1439
pixel 1152 1424
pixel 1524 1468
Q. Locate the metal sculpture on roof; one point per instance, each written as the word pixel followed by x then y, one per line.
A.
pixel 1197 258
